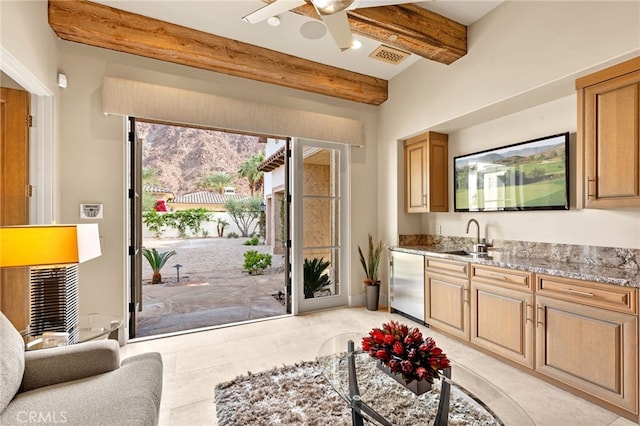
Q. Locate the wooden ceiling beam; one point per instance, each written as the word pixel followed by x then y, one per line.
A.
pixel 407 27
pixel 102 26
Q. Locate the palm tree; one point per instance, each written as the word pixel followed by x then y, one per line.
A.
pixel 157 261
pixel 215 182
pixel 315 277
pixel 149 175
pixel 249 171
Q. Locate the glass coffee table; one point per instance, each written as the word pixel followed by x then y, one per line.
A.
pixel 465 398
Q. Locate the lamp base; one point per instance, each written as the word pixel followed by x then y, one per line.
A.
pixel 55 301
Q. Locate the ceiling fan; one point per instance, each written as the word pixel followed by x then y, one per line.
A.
pixel 332 12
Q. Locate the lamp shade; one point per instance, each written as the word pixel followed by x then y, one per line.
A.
pixel 40 245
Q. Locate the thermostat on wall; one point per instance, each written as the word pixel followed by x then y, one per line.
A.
pixel 90 211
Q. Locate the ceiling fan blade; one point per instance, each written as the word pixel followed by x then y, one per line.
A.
pixel 376 3
pixel 338 26
pixel 272 9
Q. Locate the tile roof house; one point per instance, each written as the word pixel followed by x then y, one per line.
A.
pixel 202 199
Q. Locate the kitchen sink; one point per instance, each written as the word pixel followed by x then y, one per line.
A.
pixel 467 253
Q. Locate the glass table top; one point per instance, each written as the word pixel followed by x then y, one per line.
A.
pixel 90 327
pixel 472 399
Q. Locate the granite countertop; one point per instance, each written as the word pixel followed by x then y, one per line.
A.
pixel 581 271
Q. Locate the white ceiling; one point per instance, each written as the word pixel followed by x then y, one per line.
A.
pixel 223 18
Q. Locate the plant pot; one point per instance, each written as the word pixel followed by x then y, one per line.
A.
pixel 373 296
pixel 418 387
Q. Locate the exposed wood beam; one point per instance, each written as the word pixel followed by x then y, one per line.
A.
pixel 102 26
pixel 418 30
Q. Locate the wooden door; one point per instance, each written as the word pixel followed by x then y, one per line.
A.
pixel 14 197
pixel 502 321
pixel 612 142
pixel 447 304
pixel 592 349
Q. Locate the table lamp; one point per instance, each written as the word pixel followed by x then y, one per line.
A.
pixel 53 252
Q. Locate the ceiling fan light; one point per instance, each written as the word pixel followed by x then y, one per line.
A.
pixel 273 21
pixel 329 7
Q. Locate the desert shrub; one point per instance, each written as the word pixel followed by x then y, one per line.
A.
pixel 253 241
pixel 256 262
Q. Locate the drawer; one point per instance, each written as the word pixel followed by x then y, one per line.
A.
pixel 607 296
pixel 511 278
pixel 446 266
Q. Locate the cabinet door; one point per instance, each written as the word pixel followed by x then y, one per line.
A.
pixel 447 304
pixel 595 350
pixel 612 142
pixel 416 191
pixel 502 321
pixel 426 158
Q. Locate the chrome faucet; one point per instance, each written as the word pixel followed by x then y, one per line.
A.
pixel 477 247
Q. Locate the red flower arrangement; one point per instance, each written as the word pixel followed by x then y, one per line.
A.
pixel 405 351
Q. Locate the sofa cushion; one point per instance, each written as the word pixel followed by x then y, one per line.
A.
pixel 11 361
pixel 129 395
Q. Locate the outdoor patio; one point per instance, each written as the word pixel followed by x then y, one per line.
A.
pixel 213 288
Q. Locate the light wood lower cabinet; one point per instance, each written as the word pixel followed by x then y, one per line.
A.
pixel 592 349
pixel 502 321
pixel 587 337
pixel 447 296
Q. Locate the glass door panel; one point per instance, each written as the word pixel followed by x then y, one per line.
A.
pixel 318 209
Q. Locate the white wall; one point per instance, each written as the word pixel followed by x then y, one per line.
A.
pixel 522 56
pixel 617 228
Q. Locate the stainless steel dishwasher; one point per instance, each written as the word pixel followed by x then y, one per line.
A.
pixel 407 284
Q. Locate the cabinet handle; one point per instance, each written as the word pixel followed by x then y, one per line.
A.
pixel 526 314
pixel 499 276
pixel 581 293
pixel 589 181
pixel 466 298
pixel 538 316
pixel 424 199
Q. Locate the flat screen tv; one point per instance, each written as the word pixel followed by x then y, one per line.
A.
pixel 530 175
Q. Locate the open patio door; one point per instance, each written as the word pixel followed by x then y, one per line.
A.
pixel 319 182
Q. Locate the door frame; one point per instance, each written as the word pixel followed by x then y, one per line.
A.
pixel 41 208
pixel 300 304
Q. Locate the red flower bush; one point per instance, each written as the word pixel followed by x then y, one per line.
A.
pixel 406 352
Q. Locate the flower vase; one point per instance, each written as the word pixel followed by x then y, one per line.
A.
pixel 418 387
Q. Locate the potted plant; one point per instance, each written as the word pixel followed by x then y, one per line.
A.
pixel 370 265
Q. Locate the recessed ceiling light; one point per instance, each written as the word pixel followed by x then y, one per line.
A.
pixel 356 44
pixel 274 21
pixel 393 37
pixel 313 30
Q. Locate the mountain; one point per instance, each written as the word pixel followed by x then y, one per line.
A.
pixel 183 155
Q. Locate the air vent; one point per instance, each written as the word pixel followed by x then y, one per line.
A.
pixel 389 54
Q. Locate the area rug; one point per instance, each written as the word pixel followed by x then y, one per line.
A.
pixel 300 395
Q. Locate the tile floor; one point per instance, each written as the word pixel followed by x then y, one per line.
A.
pixel 194 363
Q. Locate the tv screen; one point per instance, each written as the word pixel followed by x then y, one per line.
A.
pixel 530 175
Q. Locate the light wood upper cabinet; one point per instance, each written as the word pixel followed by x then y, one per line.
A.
pixel 426 162
pixel 609 137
